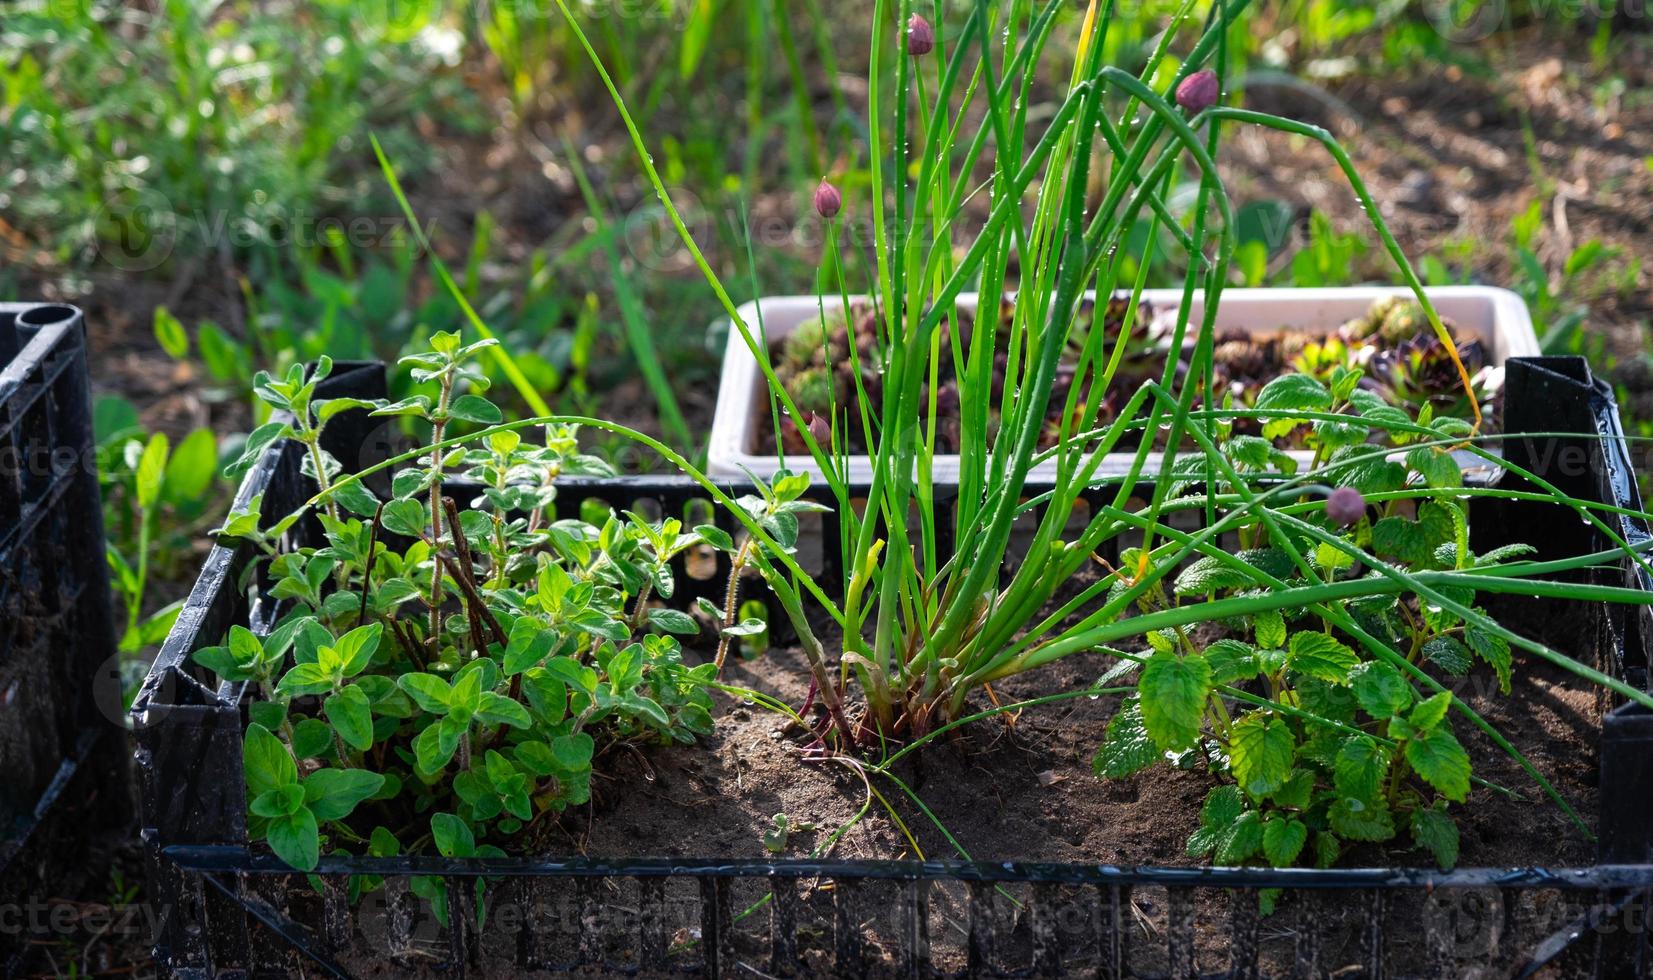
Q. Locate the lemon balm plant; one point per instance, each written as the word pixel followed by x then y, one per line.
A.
pixel 1045 203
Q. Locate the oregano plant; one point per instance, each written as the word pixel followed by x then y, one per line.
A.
pixel 453 661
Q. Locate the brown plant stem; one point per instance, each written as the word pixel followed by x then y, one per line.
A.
pixel 409 644
pixel 372 556
pixel 438 428
pixel 731 599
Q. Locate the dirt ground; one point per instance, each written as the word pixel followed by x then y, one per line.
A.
pixel 1446 157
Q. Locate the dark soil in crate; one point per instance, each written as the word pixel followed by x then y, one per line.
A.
pixel 1026 792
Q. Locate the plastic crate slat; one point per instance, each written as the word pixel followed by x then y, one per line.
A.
pixel 55 605
pixel 31 514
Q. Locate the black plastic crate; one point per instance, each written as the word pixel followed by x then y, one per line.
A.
pixel 230 910
pixel 64 758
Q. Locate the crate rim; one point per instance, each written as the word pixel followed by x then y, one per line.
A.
pixel 219 859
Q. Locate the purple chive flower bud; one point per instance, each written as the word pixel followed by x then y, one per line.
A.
pixel 821 430
pixel 921 37
pixel 1198 92
pixel 1345 506
pixel 828 200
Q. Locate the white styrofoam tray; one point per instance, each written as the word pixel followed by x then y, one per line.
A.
pixel 1497 316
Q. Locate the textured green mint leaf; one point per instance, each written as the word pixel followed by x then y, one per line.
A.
pixel 1326 700
pixel 1223 805
pixel 1209 574
pixel 1508 552
pixel 1435 831
pixel 1398 539
pixel 1430 713
pixel 1261 749
pixel 1283 840
pixel 1203 841
pixel 1270 627
pixel 1297 791
pixel 1364 470
pixel 1244 839
pixel 1174 690
pixel 1335 435
pixel 1448 654
pixel 1492 648
pixel 1380 689
pixel 1442 762
pixel 1250 452
pixel 1294 392
pixel 1439 522
pixel 1328 555
pixel 1231 661
pixel 1326 849
pixel 1126 748
pixel 1356 820
pixel 1361 767
pixel 1437 467
pixel 1318 655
